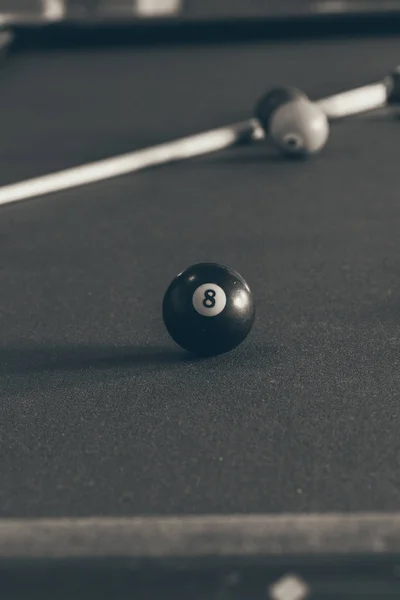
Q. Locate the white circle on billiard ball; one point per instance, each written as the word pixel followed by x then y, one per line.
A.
pixel 293 142
pixel 209 300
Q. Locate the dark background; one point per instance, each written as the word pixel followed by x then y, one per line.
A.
pixel 100 413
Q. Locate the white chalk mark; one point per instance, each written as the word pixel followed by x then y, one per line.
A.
pixel 53 10
pixel 290 587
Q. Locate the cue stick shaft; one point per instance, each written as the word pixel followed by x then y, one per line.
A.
pixel 184 148
pixel 338 106
pixel 352 102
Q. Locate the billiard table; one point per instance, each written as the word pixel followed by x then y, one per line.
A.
pixel 115 444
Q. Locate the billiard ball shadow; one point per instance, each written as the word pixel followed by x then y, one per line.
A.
pixel 385 114
pixel 39 359
pixel 260 153
pixel 80 358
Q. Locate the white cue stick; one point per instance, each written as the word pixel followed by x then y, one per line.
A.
pixel 366 98
pixel 353 102
pixel 188 147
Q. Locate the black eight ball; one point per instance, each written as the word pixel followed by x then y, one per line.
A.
pixel 208 309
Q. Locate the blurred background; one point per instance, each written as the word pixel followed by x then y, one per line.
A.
pixel 54 10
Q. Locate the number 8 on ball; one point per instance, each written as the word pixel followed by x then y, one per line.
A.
pixel 209 300
pixel 208 290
